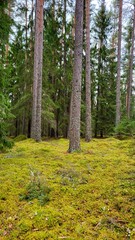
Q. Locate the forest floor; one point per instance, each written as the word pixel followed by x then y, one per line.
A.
pixel 49 194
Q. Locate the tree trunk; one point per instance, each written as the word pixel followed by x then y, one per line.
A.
pixel 118 93
pixel 74 132
pixel 64 33
pixel 130 79
pixel 88 133
pixel 26 47
pixel 37 83
pixel 70 101
pixel 34 102
pixel 29 127
pixel 57 123
pixel 7 44
pixel 26 29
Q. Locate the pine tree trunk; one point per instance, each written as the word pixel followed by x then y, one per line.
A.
pixel 64 27
pixel 37 83
pixel 40 63
pixel 130 79
pixel 65 65
pixel 34 102
pixel 7 44
pixel 74 132
pixel 70 103
pixel 32 26
pixel 118 93
pixel 26 41
pixel 26 28
pixel 88 134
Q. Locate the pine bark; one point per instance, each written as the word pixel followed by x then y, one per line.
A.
pixel 37 82
pixel 64 28
pixel 26 59
pixel 118 92
pixel 7 44
pixel 130 78
pixel 74 132
pixel 88 134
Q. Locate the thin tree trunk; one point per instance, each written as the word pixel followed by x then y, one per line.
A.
pixel 118 93
pixel 37 83
pixel 32 26
pixel 23 123
pixel 130 79
pixel 40 63
pixel 16 127
pixel 70 103
pixel 88 134
pixel 74 132
pixel 26 39
pixel 97 112
pixel 65 63
pixel 57 123
pixel 64 28
pixel 26 28
pixel 7 45
pixel 34 102
pixel 29 127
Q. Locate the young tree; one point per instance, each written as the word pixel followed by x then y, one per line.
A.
pixel 118 93
pixel 74 131
pixel 37 81
pixel 88 133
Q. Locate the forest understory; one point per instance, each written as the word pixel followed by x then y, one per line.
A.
pixel 47 193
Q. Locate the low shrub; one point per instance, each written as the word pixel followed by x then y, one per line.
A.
pixel 5 143
pixel 125 128
pixel 36 189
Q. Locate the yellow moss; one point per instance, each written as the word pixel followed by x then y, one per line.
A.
pixel 92 192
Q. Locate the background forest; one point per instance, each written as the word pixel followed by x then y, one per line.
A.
pixel 17 31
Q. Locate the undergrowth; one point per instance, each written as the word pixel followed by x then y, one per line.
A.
pixel 36 189
pixel 48 194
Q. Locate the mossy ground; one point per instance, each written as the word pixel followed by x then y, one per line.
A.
pixel 92 192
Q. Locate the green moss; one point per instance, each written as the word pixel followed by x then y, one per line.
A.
pixel 24 225
pixel 20 138
pixel 92 192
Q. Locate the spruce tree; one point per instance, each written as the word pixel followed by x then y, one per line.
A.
pixel 104 116
pixel 5 107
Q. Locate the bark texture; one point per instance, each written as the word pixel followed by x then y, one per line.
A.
pixel 118 93
pixel 130 79
pixel 7 44
pixel 37 81
pixel 88 134
pixel 74 132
